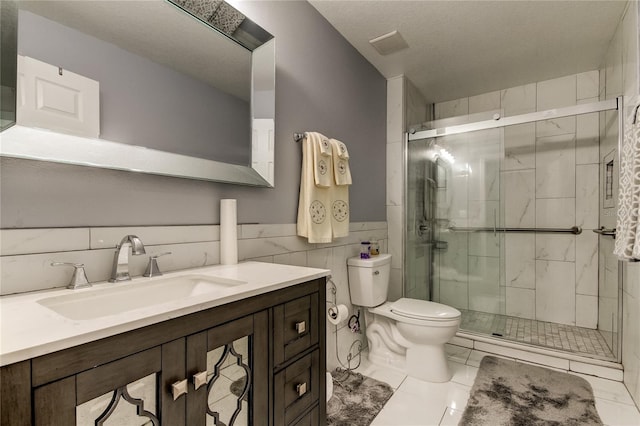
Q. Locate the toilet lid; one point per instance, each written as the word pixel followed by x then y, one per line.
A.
pixel 423 309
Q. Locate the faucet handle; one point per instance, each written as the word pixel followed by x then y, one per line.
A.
pixel 79 277
pixel 152 267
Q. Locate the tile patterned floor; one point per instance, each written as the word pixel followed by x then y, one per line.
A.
pixel 579 340
pixel 428 404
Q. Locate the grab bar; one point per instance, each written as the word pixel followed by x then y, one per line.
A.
pixel 576 230
pixel 606 232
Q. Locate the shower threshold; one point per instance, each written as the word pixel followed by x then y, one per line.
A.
pixel 560 337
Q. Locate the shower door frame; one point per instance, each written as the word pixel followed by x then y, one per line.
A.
pixel 497 122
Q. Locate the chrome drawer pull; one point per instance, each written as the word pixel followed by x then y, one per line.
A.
pixel 301 389
pixel 179 388
pixel 301 327
pixel 199 379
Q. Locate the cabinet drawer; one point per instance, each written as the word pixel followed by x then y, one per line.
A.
pixel 296 388
pixel 295 327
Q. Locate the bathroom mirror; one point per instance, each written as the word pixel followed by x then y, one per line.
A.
pixel 186 88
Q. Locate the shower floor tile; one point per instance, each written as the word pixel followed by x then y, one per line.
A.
pixel 568 338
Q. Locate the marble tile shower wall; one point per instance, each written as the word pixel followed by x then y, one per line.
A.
pixel 620 76
pixel 26 255
pixel 544 175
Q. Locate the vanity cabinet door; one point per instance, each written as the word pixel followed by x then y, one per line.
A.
pixel 228 369
pixel 126 391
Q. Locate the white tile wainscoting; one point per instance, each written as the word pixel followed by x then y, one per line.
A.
pixel 26 256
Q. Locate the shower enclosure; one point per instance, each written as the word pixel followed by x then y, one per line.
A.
pixel 511 221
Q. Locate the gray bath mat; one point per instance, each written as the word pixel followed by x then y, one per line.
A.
pixel 356 399
pixel 516 394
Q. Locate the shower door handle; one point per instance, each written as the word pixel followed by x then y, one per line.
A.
pixel 423 229
pixel 606 232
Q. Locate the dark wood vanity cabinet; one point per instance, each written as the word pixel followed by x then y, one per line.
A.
pixel 259 361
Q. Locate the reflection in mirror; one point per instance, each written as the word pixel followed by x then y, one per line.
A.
pixel 133 404
pixel 229 384
pixel 162 79
pixel 8 71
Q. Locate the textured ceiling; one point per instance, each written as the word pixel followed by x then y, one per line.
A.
pixel 464 48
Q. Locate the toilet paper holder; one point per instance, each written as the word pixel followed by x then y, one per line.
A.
pixel 333 312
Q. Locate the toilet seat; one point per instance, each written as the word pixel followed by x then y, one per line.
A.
pixel 386 311
pixel 424 310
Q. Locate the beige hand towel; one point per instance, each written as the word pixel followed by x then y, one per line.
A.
pixel 322 159
pixel 340 191
pixel 341 171
pixel 339 210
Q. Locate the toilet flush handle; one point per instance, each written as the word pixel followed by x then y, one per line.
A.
pixel 376 272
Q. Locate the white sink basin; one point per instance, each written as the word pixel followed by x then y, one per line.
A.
pixel 120 298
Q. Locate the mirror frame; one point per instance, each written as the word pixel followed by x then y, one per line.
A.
pixel 22 142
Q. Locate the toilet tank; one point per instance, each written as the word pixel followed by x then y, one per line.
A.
pixel 369 279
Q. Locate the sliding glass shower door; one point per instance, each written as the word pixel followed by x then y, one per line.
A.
pixel 500 224
pixel 454 189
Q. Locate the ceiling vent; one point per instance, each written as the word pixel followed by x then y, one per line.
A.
pixel 389 43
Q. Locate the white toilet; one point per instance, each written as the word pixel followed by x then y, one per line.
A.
pixel 407 334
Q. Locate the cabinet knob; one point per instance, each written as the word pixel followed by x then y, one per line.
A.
pixel 301 327
pixel 301 389
pixel 199 379
pixel 179 388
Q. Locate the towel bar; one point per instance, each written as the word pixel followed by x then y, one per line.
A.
pixel 576 230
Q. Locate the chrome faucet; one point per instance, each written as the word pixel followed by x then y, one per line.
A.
pixel 120 270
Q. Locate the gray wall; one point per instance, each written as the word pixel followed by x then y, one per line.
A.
pixel 322 84
pixel 142 102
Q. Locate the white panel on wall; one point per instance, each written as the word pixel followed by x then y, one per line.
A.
pixel 555 292
pixel 555 212
pixel 587 196
pixel 484 284
pixel 586 311
pixel 556 93
pixel 395 176
pixel 588 84
pixel 263 148
pixel 42 240
pixel 587 139
pixel 521 302
pixel 520 147
pixel 52 98
pixel 485 102
pixel 587 263
pixel 454 293
pixel 395 108
pixel 555 167
pixel 519 100
pixel 453 108
pixel 519 198
pixel 556 247
pixel 520 267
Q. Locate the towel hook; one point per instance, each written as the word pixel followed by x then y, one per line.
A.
pixel 297 137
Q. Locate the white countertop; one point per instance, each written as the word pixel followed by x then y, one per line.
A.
pixel 29 329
